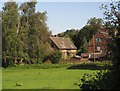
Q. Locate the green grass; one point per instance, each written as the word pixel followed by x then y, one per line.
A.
pixel 56 78
pixel 0 78
pixel 48 76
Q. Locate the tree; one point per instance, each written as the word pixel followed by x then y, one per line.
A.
pixel 35 32
pixel 112 22
pixel 109 79
pixel 25 33
pixel 84 46
pixel 77 36
pixel 9 28
pixel 69 33
pixel 92 26
pixel 95 22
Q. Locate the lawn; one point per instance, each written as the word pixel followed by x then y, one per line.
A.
pixel 54 78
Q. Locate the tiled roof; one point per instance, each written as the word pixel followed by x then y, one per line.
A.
pixel 63 43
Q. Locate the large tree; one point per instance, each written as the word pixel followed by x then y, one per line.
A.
pixel 34 30
pixel 112 22
pixel 92 26
pixel 110 79
pixel 25 33
pixel 9 27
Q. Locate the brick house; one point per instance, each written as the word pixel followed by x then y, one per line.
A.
pixel 98 43
pixel 64 45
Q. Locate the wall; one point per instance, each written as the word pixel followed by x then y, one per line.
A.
pixel 93 44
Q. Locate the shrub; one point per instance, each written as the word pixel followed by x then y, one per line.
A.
pixel 8 62
pixel 93 81
pixel 54 57
pixel 39 61
pixel 41 66
pixel 103 79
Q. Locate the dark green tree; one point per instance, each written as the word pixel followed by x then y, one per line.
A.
pixel 84 46
pixel 69 34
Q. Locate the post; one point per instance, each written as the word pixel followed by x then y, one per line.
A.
pixel 94 47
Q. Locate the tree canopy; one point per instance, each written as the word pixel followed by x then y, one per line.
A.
pixel 80 37
pixel 25 33
pixel 108 79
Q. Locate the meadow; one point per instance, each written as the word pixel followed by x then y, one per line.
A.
pixel 42 77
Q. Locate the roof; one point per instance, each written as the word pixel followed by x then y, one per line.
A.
pixel 63 43
pixel 104 32
pixel 97 55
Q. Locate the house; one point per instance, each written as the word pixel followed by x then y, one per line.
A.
pixel 97 46
pixel 64 45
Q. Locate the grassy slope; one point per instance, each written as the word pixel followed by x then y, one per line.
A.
pixel 56 78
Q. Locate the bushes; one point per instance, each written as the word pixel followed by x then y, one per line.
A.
pixel 42 66
pixel 93 81
pixel 54 57
pixel 103 79
pixel 8 61
pixel 92 66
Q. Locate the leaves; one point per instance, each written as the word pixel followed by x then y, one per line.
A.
pixel 25 32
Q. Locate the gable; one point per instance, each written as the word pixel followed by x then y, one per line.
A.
pixel 99 41
pixel 101 36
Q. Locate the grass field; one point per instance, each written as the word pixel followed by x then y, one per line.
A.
pixel 55 78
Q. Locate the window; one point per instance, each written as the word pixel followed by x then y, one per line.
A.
pixel 98 40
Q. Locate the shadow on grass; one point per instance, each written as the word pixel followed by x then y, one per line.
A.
pixel 91 66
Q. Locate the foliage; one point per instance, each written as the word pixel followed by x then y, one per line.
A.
pixel 84 47
pixel 87 65
pixel 69 34
pixel 84 34
pixel 25 33
pixel 54 57
pixel 95 22
pixel 112 17
pixel 102 79
pixel 9 27
pixel 41 66
pixel 93 25
pixel 109 79
pixel 93 81
pixel 92 66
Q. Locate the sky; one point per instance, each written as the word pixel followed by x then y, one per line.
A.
pixel 69 15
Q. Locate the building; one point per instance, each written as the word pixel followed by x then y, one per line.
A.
pixel 98 43
pixel 64 45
